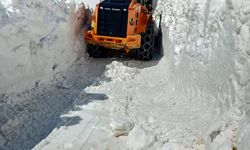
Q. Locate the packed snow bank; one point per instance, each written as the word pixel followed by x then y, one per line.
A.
pixel 215 34
pixel 35 41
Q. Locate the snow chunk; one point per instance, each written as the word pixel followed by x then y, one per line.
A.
pixel 139 139
pixel 223 141
pixel 121 127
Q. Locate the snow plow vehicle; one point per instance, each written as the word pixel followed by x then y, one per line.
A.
pixel 122 25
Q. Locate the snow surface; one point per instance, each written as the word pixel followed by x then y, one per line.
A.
pixel 195 97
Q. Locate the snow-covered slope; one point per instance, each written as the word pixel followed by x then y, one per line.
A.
pixel 35 41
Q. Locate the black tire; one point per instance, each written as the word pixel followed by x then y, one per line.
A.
pixel 94 51
pixel 147 44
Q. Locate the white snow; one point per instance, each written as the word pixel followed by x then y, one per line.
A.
pixel 139 138
pixel 196 97
pixel 35 41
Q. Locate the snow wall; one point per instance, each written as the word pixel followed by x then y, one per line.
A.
pixel 36 39
pixel 214 35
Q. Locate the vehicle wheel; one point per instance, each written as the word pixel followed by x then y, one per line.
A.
pixel 147 44
pixel 94 51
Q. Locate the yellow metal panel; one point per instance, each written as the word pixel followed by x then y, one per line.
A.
pixel 128 43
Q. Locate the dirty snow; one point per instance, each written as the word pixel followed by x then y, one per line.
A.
pixel 195 97
pixel 88 3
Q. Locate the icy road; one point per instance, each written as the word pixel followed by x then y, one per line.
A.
pixel 194 97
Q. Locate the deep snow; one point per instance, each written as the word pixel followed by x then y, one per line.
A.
pixel 195 97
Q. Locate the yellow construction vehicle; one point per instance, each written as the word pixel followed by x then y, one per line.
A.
pixel 122 25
